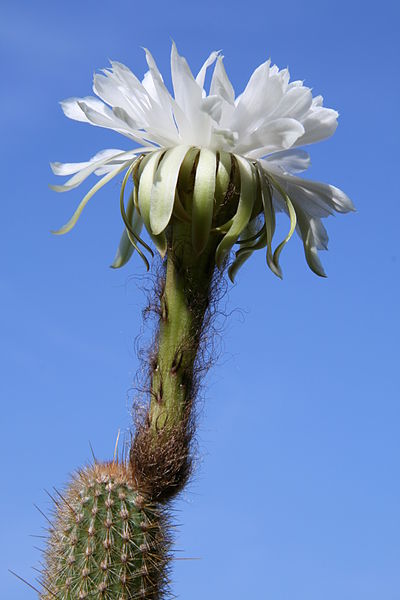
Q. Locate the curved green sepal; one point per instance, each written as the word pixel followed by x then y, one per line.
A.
pixel 72 222
pixel 126 248
pixel 130 232
pixel 222 178
pixel 248 187
pixel 142 195
pixel 164 186
pixel 257 241
pixel 203 199
pixel 293 221
pixel 269 216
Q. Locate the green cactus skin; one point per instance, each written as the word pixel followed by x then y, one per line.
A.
pixel 107 542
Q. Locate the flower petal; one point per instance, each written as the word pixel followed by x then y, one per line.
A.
pixel 274 136
pixel 220 84
pixel 84 173
pixel 310 229
pixel 195 128
pixel 70 168
pixel 319 124
pixel 201 75
pixel 332 197
pixel 288 161
pixel 72 110
pixel 295 103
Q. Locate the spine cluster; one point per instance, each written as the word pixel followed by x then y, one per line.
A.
pixel 107 541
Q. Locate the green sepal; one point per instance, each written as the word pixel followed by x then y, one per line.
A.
pixel 293 221
pixel 222 178
pixel 126 248
pixel 143 180
pixel 248 188
pixel 257 242
pixel 130 232
pixel 269 216
pixel 162 197
pixel 73 220
pixel 203 199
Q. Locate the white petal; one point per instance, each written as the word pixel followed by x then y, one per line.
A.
pixel 70 168
pixel 111 91
pixel 164 119
pixel 201 75
pixel 333 196
pixel 99 114
pixel 295 103
pixel 289 161
pixel 319 124
pixel 72 110
pixel 212 105
pixel 258 101
pixel 220 84
pixel 277 135
pixel 80 176
pixel 196 127
pixel 187 92
pixel 148 84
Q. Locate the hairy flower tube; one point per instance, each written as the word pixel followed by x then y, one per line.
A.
pixel 222 164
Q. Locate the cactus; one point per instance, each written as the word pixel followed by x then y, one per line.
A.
pixel 213 173
pixel 107 542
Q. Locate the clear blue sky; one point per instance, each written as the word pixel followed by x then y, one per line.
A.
pixel 297 494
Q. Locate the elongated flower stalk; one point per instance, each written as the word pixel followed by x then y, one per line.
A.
pixel 161 452
pixel 207 175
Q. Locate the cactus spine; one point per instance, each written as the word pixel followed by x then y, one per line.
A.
pixel 107 541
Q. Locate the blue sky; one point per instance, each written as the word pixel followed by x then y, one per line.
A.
pixel 297 491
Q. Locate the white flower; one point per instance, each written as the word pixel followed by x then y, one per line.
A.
pixel 237 156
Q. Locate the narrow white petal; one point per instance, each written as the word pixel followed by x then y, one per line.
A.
pixel 332 195
pixel 186 90
pixel 202 73
pixel 220 84
pixel 70 168
pixel 195 127
pixel 80 176
pixel 73 110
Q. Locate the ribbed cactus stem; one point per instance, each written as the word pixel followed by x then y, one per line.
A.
pixel 107 541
